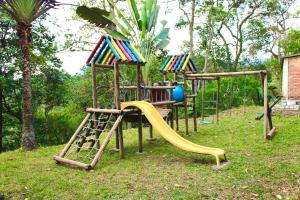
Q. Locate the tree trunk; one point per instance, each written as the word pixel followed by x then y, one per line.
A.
pixel 191 26
pixel 228 54
pixel 210 38
pixel 278 46
pixel 1 118
pixel 28 136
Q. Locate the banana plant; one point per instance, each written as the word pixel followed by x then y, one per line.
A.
pixel 139 25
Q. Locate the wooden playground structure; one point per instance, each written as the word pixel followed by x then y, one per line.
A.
pixel 87 145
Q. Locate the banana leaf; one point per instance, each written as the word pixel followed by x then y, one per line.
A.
pixel 94 15
pixel 164 32
pixel 115 33
pixel 163 43
pixel 120 15
pixel 149 7
pixel 134 11
pixel 153 16
pixel 123 29
pixel 144 22
pixel 156 16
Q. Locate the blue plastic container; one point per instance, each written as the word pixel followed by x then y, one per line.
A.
pixel 178 93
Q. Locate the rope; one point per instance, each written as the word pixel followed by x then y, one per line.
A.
pixel 85 146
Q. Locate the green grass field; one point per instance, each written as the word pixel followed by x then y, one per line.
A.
pixel 258 169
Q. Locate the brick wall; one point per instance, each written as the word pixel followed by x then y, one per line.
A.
pixel 294 78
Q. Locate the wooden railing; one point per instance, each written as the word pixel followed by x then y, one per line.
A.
pixel 154 94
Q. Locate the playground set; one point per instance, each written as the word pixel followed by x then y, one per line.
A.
pixel 152 104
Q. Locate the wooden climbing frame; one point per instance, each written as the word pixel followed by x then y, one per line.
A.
pixel 269 130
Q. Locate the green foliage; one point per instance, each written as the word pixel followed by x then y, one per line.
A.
pixel 234 92
pixel 275 67
pixel 59 124
pixel 291 44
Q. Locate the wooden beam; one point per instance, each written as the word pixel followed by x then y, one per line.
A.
pixel 119 132
pixel 132 64
pixel 158 87
pixel 172 108
pixel 227 74
pixel 265 88
pixel 202 78
pixel 162 103
pixel 272 105
pixel 104 66
pixel 218 98
pixel 94 86
pixel 139 97
pixel 72 162
pixel 202 99
pixel 271 133
pixel 177 123
pixel 98 110
pixel 194 95
pixel 185 107
pixel 151 133
pixel 132 87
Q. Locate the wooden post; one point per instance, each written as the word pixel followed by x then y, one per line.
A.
pixel 150 133
pixel 202 99
pixel 139 96
pixel 265 87
pixel 185 107
pixel 172 107
pixel 177 123
pixel 270 117
pixel 194 105
pixel 218 98
pixel 95 101
pixel 119 132
pixel 94 85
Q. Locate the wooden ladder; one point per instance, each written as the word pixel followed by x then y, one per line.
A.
pixel 93 125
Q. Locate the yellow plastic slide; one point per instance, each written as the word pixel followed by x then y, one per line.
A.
pixel 169 134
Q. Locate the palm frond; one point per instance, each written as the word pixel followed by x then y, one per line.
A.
pixel 26 11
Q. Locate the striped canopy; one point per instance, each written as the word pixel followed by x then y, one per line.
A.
pixel 178 63
pixel 109 49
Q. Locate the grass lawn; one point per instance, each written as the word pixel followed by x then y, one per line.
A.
pixel 258 169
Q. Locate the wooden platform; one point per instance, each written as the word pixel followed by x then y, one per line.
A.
pixel 133 116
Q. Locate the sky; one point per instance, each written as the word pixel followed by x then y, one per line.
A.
pixel 62 23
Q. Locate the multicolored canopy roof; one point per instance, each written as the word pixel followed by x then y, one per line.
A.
pixel 178 63
pixel 109 49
